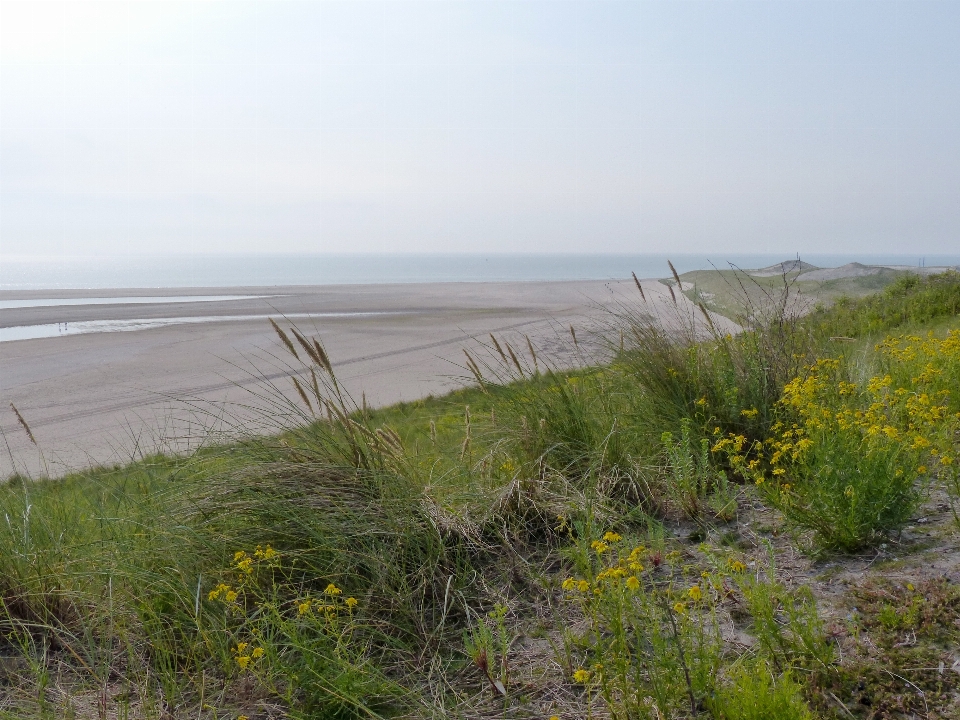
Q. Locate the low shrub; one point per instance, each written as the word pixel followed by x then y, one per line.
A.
pixel 911 300
pixel 688 368
pixel 849 457
pixel 753 692
pixel 699 489
pixel 653 646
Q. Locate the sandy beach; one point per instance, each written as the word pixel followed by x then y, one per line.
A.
pixel 101 398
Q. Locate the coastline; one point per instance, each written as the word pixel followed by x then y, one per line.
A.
pixel 109 397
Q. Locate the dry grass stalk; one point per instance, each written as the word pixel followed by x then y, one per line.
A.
pixel 499 350
pixel 324 358
pixel 284 339
pixel 516 362
pixel 23 423
pixel 306 346
pixel 706 315
pixel 573 334
pixel 465 448
pixel 472 366
pixel 390 441
pixel 639 286
pixel 533 354
pixel 303 395
pixel 676 277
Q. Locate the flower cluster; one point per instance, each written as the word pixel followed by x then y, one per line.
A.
pixel 244 569
pixel 329 606
pixel 906 410
pixel 245 655
pixel 646 608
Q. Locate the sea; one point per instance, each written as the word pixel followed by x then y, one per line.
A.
pixel 214 271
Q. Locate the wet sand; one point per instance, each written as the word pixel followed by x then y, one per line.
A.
pixel 109 397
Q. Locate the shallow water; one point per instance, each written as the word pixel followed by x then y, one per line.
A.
pixel 143 300
pixel 53 330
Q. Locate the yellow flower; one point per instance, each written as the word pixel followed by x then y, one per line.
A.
pixel 231 596
pixel 265 553
pixel 238 556
pixel 350 602
pixel 600 546
pixel 695 593
pixel 779 471
pixel 611 537
pixel 583 586
pixel 910 587
pixel 633 583
pixel 581 676
pixel 702 402
pixel 332 589
pixel 218 591
pixel 257 653
pixel 679 608
pixel 737 566
pixel 243 661
pixel 241 647
pixel 569 584
pixel 752 412
pixel 242 717
pixel 303 608
pixel 636 567
pixel 554 717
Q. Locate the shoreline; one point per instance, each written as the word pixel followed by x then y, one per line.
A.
pixel 108 397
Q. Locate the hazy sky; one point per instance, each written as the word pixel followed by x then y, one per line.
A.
pixel 480 126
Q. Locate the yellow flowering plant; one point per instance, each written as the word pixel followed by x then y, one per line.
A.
pixel 649 635
pixel 309 648
pixel 653 646
pixel 848 458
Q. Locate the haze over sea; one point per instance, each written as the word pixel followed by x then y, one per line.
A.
pixel 185 271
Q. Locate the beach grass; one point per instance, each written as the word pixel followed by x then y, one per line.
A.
pixel 643 534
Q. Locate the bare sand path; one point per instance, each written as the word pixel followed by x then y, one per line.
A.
pixel 108 397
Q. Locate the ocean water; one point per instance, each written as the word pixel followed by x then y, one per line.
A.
pixel 196 271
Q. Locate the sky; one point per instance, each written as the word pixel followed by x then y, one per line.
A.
pixel 479 126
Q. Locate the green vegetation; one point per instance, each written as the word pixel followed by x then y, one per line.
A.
pixel 606 541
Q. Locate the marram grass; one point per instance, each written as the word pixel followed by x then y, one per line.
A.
pixel 552 542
